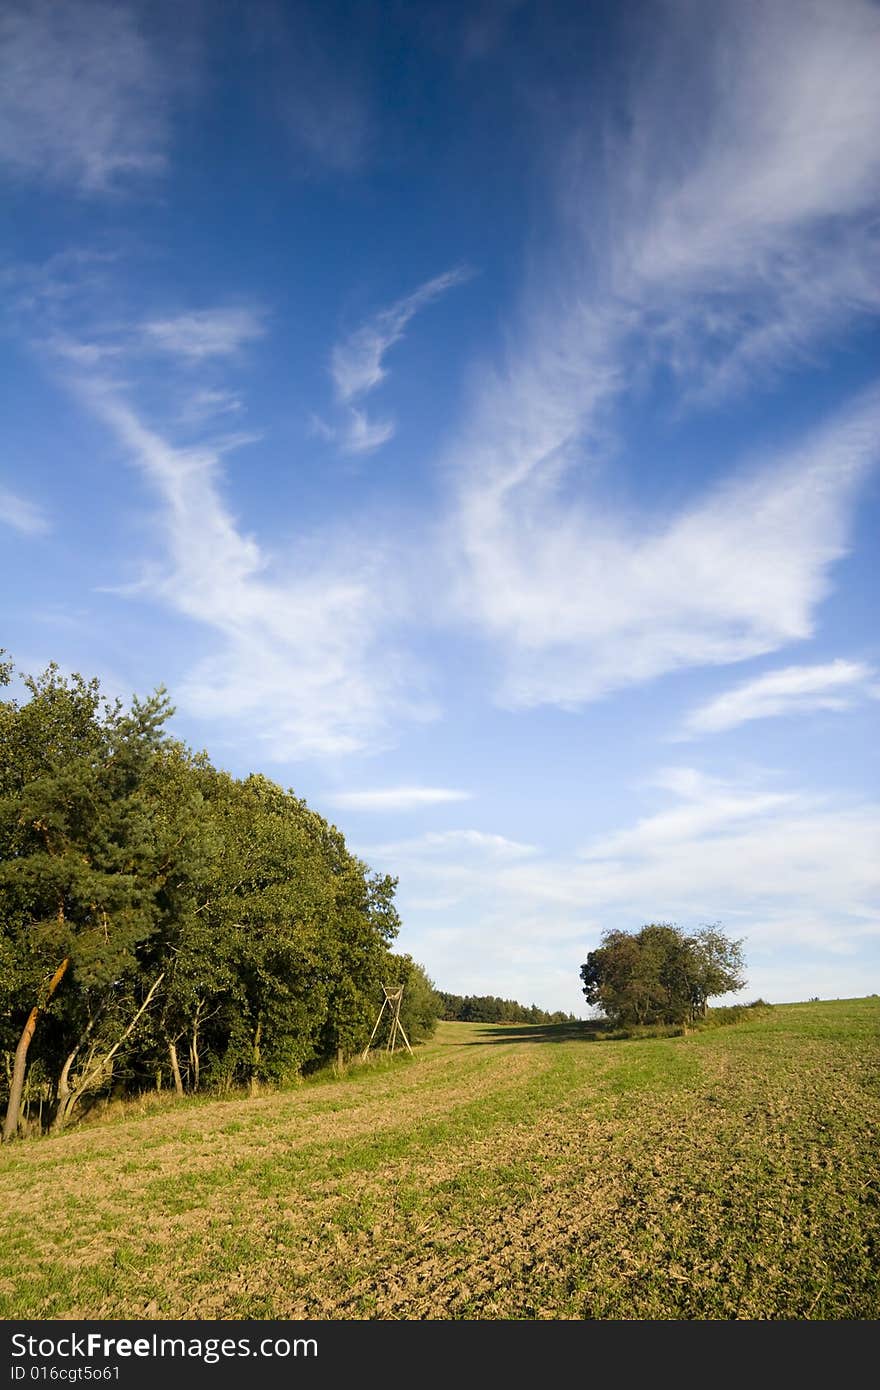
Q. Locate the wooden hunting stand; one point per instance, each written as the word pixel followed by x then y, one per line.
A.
pixel 391 1002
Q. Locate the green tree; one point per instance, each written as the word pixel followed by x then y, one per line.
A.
pixel 158 915
pixel 659 974
pixel 75 840
pixel 716 967
pixel 489 1008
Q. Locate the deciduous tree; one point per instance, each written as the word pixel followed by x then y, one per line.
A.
pixel 659 974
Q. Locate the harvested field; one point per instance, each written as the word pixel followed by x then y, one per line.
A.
pixel 505 1172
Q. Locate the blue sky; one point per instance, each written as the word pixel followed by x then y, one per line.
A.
pixel 471 413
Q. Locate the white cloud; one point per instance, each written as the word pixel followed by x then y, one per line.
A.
pixel 22 515
pixel 584 601
pixel 207 404
pixel 468 846
pixel 83 99
pixel 705 807
pixel 362 435
pixel 319 427
pixel 792 690
pixel 788 870
pixel 739 230
pixel 783 866
pixel 746 218
pixel 79 353
pixel 297 656
pixel 357 367
pixel 205 333
pixel 494 846
pixel 747 229
pixel 356 363
pixel 790 115
pixel 463 866
pixel 396 798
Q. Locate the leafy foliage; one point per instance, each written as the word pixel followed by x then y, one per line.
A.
pixel 660 974
pixel 421 1004
pixel 132 870
pixel 488 1008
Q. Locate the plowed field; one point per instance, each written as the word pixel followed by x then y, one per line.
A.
pixel 505 1172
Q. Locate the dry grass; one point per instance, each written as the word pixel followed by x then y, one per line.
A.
pixel 504 1173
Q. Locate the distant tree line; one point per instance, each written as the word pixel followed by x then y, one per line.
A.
pixel 487 1008
pixel 163 923
pixel 660 974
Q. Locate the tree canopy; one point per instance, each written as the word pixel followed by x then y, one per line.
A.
pixel 489 1008
pixel 162 922
pixel 660 974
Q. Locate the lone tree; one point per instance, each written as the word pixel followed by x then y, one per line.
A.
pixel 661 975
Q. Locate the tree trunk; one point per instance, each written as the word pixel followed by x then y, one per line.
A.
pixel 194 1048
pixel 16 1087
pixel 256 1057
pixel 93 1075
pixel 175 1068
pixel 64 1087
pixel 63 1090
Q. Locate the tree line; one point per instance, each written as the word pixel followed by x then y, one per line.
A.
pixel 163 923
pixel 488 1008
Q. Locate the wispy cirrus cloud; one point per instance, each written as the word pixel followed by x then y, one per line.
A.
pixel 437 843
pixel 208 403
pixel 730 197
pixel 406 798
pixel 305 653
pixel 362 435
pixel 202 334
pixel 701 806
pixel 584 601
pixel 303 650
pixel 459 866
pixel 788 870
pixel 775 864
pixel 51 302
pixel 769 160
pixel 357 434
pixel 357 365
pixel 84 98
pixel 745 224
pixel 836 685
pixel 22 514
pixel 82 354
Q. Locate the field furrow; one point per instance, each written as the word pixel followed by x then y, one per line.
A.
pixel 502 1173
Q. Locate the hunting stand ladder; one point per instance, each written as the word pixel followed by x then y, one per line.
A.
pixel 391 1002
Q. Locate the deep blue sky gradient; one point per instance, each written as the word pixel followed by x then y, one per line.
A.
pixel 438 602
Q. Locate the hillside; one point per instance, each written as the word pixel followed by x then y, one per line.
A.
pixel 505 1172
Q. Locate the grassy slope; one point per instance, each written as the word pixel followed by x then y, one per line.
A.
pixel 504 1173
